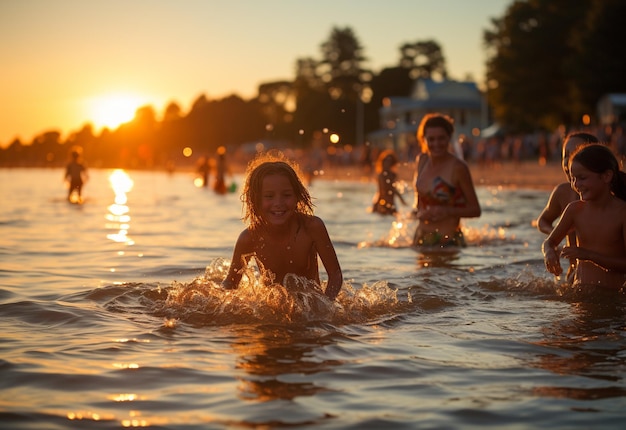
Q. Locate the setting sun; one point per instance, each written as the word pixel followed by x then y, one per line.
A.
pixel 114 109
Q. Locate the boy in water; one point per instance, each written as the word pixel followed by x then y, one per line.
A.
pixel 563 194
pixel 282 235
pixel 598 219
pixel 75 173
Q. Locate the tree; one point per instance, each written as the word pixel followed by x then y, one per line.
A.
pixel 341 66
pixel 423 59
pixel 530 52
pixel 346 81
pixel 600 65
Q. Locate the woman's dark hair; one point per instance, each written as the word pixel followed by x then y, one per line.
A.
pixel 599 158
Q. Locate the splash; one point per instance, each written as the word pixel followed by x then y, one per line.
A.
pixel 204 302
pixel 400 235
pixel 402 230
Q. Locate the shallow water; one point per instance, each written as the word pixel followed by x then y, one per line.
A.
pixel 111 317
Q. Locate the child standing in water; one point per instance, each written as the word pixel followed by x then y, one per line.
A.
pixel 563 194
pixel 282 235
pixel 598 219
pixel 384 201
pixel 75 174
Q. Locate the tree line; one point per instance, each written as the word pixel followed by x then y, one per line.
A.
pixel 548 63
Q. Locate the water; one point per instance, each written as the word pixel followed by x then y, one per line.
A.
pixel 110 317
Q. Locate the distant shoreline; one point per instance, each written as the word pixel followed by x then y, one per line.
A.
pixel 526 174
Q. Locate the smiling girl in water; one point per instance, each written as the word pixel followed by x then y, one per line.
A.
pixel 282 235
pixel 598 218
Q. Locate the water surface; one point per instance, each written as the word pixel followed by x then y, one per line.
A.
pixel 111 317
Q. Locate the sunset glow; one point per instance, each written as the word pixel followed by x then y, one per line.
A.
pixel 178 51
pixel 112 110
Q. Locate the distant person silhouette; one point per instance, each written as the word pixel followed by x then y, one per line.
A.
pixel 384 200
pixel 221 169
pixel 204 169
pixel 76 175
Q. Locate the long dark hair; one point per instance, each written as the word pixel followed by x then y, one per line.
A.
pixel 599 158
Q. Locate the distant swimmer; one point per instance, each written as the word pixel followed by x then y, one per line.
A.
pixel 76 175
pixel 384 200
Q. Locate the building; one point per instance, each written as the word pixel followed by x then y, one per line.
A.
pixel 400 116
pixel 612 109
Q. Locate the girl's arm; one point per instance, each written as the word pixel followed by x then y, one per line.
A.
pixel 607 262
pixel 327 254
pixel 237 263
pixel 564 226
pixel 472 207
pixel 550 213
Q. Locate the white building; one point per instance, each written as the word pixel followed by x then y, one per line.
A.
pixel 400 116
pixel 612 108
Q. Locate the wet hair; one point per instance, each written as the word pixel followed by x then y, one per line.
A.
pixel 582 135
pixel 599 158
pixel 386 159
pixel 271 163
pixel 434 120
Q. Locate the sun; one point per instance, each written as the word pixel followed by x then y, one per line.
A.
pixel 112 110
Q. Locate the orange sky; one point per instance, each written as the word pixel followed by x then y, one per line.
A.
pixel 69 62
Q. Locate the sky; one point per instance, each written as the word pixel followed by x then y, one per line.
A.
pixel 66 63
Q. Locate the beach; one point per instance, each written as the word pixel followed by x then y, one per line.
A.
pixel 526 174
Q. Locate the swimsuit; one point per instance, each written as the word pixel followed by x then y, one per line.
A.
pixel 434 238
pixel 442 194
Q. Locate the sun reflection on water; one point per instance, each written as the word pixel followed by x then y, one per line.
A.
pixel 117 217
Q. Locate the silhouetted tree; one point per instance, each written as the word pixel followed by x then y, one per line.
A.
pixel 529 85
pixel 313 102
pixel 423 59
pixel 345 78
pixel 600 65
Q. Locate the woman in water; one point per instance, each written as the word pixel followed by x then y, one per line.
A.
pixel 282 235
pixel 444 191
pixel 598 219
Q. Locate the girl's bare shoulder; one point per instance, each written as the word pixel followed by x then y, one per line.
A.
pixel 564 194
pixel 249 237
pixel 620 205
pixel 312 223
